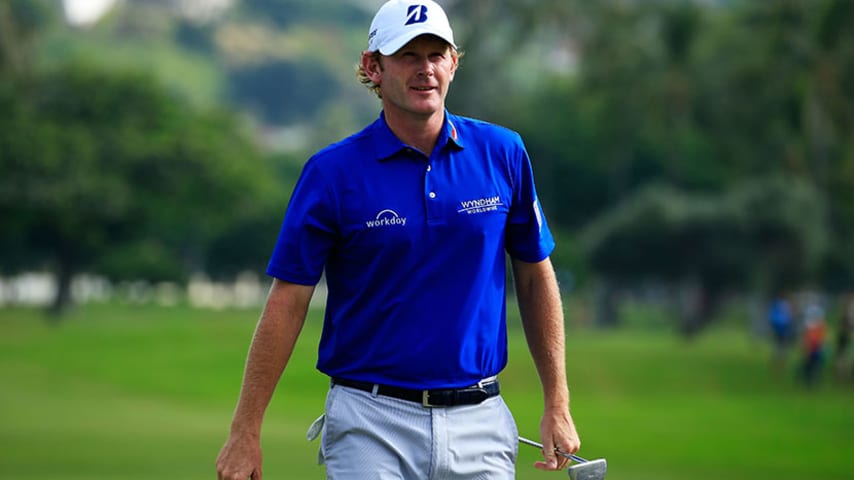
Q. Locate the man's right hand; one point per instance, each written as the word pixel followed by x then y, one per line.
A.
pixel 240 458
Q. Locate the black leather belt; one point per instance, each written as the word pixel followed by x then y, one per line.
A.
pixel 429 398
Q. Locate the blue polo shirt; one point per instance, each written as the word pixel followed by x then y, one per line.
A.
pixel 414 251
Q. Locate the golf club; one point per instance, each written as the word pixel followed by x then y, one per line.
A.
pixel 583 469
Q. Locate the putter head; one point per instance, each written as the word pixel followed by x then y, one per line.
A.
pixel 592 470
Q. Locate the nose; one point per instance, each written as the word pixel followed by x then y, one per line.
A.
pixel 426 68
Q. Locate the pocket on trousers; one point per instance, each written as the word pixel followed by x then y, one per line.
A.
pixel 328 418
pixel 313 432
pixel 512 428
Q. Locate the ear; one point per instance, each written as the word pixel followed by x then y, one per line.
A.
pixel 455 63
pixel 372 67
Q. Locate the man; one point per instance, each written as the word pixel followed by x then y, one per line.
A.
pixel 410 219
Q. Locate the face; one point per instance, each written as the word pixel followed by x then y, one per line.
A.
pixel 414 80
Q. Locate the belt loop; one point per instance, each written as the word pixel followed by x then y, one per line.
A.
pixel 425 399
pixel 484 381
pixel 375 390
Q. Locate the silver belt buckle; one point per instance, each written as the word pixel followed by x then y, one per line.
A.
pixel 425 399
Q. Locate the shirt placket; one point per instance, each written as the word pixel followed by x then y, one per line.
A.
pixel 434 187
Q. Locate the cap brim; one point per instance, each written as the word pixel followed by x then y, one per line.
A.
pixel 396 44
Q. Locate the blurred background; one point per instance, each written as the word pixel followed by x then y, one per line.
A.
pixel 695 159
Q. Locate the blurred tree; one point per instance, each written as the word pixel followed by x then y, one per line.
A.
pixel 694 95
pixel 20 21
pixel 610 96
pixel 196 37
pixel 790 88
pixel 762 235
pixel 830 131
pixel 288 13
pixel 107 172
pixel 281 92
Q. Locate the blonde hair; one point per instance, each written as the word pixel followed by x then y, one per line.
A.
pixel 363 78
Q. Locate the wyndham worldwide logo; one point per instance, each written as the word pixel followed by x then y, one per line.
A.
pixel 480 205
pixel 386 218
pixel 416 14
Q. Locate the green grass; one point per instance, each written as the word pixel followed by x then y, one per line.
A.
pixel 120 392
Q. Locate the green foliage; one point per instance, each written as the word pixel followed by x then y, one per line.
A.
pixel 763 234
pixel 282 92
pixel 198 38
pixel 280 63
pixel 610 96
pixel 99 166
pixel 288 13
pixel 20 22
pixel 699 97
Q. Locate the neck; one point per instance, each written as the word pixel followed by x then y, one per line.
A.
pixel 421 132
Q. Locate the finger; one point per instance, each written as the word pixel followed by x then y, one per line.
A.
pixel 550 458
pixel 573 444
pixel 562 460
pixel 543 465
pixel 236 475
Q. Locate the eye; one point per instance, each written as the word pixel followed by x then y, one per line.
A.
pixel 438 56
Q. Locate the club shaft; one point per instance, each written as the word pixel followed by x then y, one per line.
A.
pixel 570 456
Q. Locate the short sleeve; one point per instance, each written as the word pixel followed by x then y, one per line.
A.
pixel 308 230
pixel 527 236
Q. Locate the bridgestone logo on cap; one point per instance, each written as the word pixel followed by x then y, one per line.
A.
pixel 416 14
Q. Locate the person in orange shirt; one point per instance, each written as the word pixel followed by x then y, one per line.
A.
pixel 814 336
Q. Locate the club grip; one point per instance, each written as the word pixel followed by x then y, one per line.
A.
pixel 562 454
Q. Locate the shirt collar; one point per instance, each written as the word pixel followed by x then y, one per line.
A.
pixel 386 144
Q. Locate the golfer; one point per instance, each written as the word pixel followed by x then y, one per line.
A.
pixel 410 219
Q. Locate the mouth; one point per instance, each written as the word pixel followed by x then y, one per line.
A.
pixel 424 89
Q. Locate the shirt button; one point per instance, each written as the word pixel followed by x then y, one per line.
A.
pixel 432 195
pixel 429 167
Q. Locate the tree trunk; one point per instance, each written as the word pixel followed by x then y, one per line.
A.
pixel 62 302
pixel 606 303
pixel 699 304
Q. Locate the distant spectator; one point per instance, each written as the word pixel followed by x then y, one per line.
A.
pixel 782 323
pixel 814 336
pixel 844 356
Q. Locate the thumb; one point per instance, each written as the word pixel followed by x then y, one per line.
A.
pixel 549 457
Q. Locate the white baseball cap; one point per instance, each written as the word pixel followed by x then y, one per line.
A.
pixel 399 21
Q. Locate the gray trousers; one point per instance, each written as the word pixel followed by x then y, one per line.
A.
pixel 367 436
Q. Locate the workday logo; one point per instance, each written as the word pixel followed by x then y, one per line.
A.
pixel 386 218
pixel 416 14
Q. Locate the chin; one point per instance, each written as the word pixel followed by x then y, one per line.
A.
pixel 428 108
